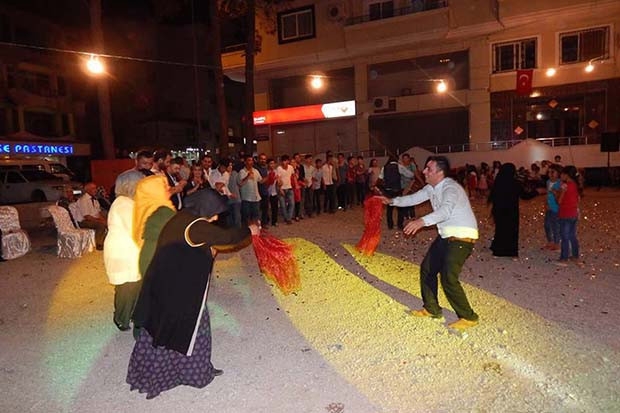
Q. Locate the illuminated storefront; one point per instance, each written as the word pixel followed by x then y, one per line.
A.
pixel 308 129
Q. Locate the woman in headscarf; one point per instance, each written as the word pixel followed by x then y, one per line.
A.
pixel 120 251
pixel 174 345
pixel 504 197
pixel 152 209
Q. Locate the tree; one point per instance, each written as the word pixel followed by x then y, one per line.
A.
pixel 265 10
pixel 218 74
pixel 103 89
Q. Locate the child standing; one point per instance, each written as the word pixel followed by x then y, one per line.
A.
pixel 568 213
pixel 472 182
pixel 552 226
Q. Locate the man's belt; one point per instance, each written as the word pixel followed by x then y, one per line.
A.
pixel 469 240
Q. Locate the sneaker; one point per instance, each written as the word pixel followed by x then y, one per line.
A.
pixel 561 263
pixel 423 312
pixel 463 324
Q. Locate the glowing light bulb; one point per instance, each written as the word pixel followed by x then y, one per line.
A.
pixel 441 87
pixel 589 67
pixel 316 82
pixel 94 65
pixel 551 72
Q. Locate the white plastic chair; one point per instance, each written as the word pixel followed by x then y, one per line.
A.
pixel 72 242
pixel 15 241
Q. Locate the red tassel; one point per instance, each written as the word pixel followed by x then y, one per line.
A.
pixel 373 210
pixel 277 261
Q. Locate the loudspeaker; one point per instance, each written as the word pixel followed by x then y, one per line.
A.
pixel 610 142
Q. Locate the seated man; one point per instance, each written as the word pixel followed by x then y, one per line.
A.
pixel 88 213
pixel 67 201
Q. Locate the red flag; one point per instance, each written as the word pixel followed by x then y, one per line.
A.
pixel 524 82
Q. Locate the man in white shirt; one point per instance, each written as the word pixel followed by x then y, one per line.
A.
pixel 88 213
pixel 329 204
pixel 308 190
pixel 249 177
pixel 458 231
pixel 219 177
pixel 207 167
pixel 284 172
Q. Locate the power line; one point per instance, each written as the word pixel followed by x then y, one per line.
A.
pixel 109 56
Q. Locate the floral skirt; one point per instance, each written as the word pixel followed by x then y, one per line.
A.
pixel 153 370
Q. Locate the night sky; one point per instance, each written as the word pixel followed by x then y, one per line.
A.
pixel 76 12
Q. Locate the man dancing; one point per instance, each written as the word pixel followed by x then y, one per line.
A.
pixel 458 231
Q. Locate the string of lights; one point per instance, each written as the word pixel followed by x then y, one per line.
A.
pixel 104 55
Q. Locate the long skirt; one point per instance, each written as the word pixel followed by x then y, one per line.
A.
pixel 506 239
pixel 153 370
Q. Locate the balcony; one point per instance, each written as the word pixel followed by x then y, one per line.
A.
pixel 417 7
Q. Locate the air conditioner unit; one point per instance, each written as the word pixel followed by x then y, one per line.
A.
pixel 336 11
pixel 380 103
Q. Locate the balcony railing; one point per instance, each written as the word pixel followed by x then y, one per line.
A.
pixel 502 145
pixel 416 7
pixel 485 146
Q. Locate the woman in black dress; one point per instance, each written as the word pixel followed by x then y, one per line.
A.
pixel 504 197
pixel 174 345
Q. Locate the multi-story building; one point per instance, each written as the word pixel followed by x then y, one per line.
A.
pixel 512 69
pixel 40 110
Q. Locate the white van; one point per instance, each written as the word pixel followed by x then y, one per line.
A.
pixel 54 168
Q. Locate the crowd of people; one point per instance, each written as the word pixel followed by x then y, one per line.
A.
pixel 167 216
pixel 286 190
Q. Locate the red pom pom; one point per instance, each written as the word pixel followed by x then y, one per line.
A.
pixel 373 210
pixel 277 261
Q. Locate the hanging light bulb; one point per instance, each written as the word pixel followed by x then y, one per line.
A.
pixel 589 67
pixel 94 65
pixel 316 82
pixel 441 87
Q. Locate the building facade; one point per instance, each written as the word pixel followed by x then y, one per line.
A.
pixel 511 70
pixel 41 112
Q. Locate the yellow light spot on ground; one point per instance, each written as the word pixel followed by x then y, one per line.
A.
pixel 396 360
pixel 74 337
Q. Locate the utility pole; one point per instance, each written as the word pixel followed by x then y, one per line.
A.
pixel 103 89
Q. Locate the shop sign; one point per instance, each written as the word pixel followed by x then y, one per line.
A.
pixel 29 148
pixel 305 113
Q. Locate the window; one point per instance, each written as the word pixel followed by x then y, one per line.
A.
pixel 514 55
pixel 4 130
pixel 294 25
pixel 5 28
pixel 14 178
pixel 64 120
pixel 584 45
pixel 62 86
pixel 40 123
pixel 34 82
pixel 381 10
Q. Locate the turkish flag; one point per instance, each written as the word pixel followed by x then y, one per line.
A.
pixel 524 82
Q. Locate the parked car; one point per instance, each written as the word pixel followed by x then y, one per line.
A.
pixel 32 186
pixel 54 168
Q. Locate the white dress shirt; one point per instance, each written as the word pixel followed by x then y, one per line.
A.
pixel 86 205
pixel 452 212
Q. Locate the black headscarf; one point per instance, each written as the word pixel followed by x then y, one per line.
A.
pixel 206 203
pixel 506 189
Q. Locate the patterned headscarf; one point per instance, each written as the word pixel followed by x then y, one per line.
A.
pixel 151 194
